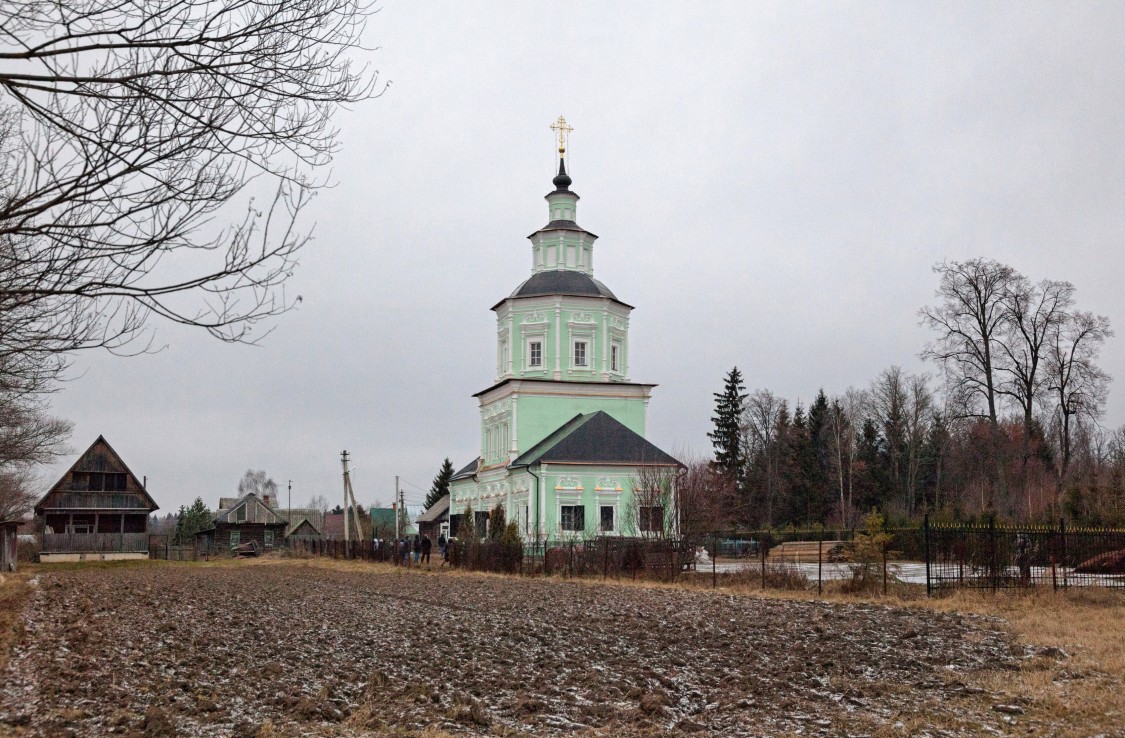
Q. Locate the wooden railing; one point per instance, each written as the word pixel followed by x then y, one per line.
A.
pixel 95 543
pixel 96 501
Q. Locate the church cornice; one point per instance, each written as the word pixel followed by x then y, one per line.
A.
pixel 566 386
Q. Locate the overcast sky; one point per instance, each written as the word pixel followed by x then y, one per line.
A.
pixel 771 184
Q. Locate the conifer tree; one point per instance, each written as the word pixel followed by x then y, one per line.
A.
pixel 440 486
pixel 727 436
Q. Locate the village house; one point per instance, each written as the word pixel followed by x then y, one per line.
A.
pixel 98 510
pixel 434 522
pixel 247 524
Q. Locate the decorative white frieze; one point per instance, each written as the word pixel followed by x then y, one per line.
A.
pixel 606 484
pixel 582 318
pixel 537 317
pixel 569 483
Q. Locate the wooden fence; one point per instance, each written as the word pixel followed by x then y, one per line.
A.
pixel 94 543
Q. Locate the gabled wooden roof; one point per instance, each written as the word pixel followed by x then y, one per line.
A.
pixel 257 512
pixel 112 500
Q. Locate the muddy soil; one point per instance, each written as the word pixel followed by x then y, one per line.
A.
pixel 284 650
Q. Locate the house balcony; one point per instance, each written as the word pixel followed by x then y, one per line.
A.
pixel 87 546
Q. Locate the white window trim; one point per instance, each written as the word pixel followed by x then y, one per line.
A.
pixel 542 354
pixel 586 341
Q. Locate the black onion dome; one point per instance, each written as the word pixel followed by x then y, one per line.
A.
pixel 563 282
pixel 562 180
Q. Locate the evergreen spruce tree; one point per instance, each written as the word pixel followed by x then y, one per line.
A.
pixel 727 436
pixel 440 486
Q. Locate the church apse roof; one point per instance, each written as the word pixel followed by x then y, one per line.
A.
pixel 595 438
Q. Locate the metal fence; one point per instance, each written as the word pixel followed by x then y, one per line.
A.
pixel 990 556
pixel 940 557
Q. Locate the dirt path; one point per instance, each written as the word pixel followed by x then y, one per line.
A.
pixel 294 649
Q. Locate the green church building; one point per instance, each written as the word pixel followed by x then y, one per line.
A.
pixel 562 428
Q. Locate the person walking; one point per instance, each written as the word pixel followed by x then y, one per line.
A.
pixel 417 548
pixel 427 544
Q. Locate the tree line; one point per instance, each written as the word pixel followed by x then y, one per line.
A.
pixel 1007 424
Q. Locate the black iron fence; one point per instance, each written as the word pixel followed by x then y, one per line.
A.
pixel 940 557
pixel 991 556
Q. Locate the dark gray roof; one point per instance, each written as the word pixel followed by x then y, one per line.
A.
pixel 466 471
pixel 563 225
pixel 562 282
pixel 594 438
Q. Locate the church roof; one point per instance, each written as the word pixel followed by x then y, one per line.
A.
pixel 563 225
pixel 466 471
pixel 562 282
pixel 595 438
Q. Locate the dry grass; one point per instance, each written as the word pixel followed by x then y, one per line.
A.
pixel 14 591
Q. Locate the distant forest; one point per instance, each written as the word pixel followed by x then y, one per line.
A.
pixel 1008 424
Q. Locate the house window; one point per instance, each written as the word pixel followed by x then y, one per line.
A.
pixel 235 537
pixel 535 353
pixel 573 517
pixel 606 516
pixel 268 538
pixel 614 361
pixel 580 353
pixel 240 514
pixel 652 519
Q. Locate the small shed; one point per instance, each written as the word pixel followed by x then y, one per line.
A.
pixel 9 545
pixel 434 522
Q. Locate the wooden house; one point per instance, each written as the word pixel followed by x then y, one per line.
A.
pixel 98 510
pixel 434 522
pixel 242 525
pixel 9 545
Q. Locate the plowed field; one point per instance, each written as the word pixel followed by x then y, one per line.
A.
pixel 293 649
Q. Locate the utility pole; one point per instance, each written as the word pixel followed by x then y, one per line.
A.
pixel 290 515
pixel 344 461
pixel 397 509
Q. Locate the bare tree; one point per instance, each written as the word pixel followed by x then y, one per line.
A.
pixel 1033 314
pixel 763 417
pixel 1077 385
pixel 702 498
pixel 136 130
pixel 970 319
pixel 258 483
pixel 650 511
pixel 843 414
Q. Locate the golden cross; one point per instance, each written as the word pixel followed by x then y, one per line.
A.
pixel 560 127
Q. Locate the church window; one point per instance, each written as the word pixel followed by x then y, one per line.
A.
pixel 652 519
pixel 580 353
pixel 573 517
pixel 535 353
pixel 606 515
pixel 614 358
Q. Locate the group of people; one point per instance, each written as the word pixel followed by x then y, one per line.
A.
pixel 418 548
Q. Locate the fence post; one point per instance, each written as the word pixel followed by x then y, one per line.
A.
pixel 820 565
pixel 762 551
pixel 1062 533
pixel 714 566
pixel 992 563
pixel 926 537
pixel 605 557
pixel 884 570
